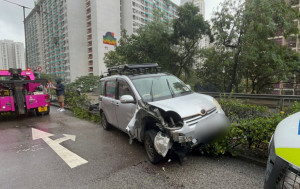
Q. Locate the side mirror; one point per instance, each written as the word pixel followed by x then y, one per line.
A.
pixel 189 87
pixel 127 99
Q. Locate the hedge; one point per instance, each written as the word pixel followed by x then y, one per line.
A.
pixel 252 127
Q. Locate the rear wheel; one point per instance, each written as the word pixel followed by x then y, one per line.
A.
pixel 104 122
pixel 153 156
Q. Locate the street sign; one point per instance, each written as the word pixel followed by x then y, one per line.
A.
pixel 49 85
pixel 70 158
pixel 38 68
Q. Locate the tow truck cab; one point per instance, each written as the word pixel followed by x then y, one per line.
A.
pixel 21 92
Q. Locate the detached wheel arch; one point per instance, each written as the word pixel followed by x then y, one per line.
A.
pixel 104 122
pixel 152 154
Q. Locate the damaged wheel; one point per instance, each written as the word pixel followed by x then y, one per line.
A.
pixel 153 156
pixel 104 122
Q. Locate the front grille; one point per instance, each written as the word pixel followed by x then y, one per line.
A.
pixel 192 120
pixel 289 179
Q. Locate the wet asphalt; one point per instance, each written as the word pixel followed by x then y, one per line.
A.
pixel 112 161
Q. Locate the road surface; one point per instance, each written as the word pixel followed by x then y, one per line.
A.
pixel 111 162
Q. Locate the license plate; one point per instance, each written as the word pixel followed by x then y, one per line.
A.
pixel 4 93
pixel 42 109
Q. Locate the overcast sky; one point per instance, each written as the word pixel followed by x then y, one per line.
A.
pixel 11 17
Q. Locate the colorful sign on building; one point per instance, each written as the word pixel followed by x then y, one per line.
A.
pixel 109 38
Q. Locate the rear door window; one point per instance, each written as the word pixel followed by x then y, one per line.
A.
pixel 110 89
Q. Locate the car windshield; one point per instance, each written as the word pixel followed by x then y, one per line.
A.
pixel 160 87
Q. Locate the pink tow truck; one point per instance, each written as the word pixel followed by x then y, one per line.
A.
pixel 21 92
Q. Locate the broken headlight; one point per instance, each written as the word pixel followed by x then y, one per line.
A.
pixel 217 104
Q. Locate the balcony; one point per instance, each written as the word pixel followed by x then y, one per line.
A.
pixel 88 11
pixel 90 69
pixel 90 64
pixel 90 57
pixel 89 25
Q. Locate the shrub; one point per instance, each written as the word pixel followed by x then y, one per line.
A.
pixel 251 126
pixel 79 105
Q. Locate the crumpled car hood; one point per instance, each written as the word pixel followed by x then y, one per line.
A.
pixel 187 105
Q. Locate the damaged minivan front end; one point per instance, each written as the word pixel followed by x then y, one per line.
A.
pixel 180 124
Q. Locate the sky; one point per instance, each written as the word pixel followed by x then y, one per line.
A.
pixel 11 17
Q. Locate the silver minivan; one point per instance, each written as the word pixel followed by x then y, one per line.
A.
pixel 158 109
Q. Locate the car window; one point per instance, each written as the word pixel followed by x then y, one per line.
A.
pixel 124 89
pixel 110 89
pixel 161 87
pixel 102 84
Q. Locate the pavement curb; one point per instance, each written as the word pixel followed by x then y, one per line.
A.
pixel 57 105
pixel 256 161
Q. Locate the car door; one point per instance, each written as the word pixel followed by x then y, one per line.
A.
pixel 109 101
pixel 124 111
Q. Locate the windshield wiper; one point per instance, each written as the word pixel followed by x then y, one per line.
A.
pixel 151 92
pixel 172 92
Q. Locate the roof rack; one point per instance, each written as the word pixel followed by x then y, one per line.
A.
pixel 132 69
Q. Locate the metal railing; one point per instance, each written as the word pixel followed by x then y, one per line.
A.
pixel 269 100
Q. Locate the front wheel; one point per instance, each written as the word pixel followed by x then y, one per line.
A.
pixel 153 156
pixel 104 122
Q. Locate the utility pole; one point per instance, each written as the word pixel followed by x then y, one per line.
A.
pixel 24 7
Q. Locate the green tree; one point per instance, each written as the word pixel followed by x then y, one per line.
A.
pixel 84 83
pixel 229 29
pixel 173 46
pixel 245 30
pixel 189 29
pixel 264 61
pixel 150 45
pixel 215 70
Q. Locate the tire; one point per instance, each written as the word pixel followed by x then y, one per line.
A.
pixel 152 154
pixel 104 122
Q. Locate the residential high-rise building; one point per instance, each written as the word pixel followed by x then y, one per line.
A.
pixel 103 30
pixel 18 55
pixel 56 38
pixel 70 38
pixel 34 40
pixel 11 54
pixel 137 13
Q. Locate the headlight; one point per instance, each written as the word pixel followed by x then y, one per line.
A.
pixel 217 104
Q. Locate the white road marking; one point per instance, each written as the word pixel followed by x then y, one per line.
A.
pixel 72 159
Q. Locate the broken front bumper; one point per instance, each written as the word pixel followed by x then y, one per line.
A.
pixel 203 130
